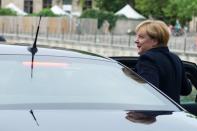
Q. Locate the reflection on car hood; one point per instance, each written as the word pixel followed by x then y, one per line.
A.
pixel 91 120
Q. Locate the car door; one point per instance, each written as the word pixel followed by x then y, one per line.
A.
pixel 188 102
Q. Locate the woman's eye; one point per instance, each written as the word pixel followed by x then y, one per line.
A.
pixel 141 36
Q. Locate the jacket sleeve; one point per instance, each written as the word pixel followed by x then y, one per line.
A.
pixel 146 68
pixel 186 84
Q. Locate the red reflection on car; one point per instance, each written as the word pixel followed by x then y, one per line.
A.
pixel 45 64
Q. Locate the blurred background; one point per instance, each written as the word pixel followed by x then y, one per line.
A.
pixel 103 23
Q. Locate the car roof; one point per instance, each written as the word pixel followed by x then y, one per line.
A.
pixel 18 49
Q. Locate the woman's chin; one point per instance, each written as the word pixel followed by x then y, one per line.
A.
pixel 139 51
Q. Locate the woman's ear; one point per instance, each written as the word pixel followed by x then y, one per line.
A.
pixel 155 42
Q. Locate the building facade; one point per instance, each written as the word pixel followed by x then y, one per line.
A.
pixel 35 6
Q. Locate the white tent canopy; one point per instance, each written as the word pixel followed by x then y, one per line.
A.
pixel 67 8
pixel 16 9
pixel 129 12
pixel 58 11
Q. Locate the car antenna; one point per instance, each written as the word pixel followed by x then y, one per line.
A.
pixel 34 49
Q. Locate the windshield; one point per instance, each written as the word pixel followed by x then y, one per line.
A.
pixel 73 81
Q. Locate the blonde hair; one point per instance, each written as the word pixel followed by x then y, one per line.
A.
pixel 155 29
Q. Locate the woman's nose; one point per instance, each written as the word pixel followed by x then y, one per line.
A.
pixel 136 40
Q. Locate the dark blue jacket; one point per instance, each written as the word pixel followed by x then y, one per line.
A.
pixel 164 70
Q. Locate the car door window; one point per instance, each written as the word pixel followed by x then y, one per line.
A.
pixel 191 71
pixel 191 98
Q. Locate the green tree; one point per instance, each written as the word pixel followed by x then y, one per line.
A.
pixel 180 9
pixel 46 12
pixel 151 8
pixel 8 12
pixel 113 5
pixel 101 16
pixel 167 10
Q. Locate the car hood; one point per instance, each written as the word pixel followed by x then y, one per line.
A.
pixel 91 120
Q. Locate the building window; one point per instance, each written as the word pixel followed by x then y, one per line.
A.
pixel 47 3
pixel 87 4
pixel 67 2
pixel 28 6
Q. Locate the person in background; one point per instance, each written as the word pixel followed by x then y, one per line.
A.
pixel 156 63
pixel 177 26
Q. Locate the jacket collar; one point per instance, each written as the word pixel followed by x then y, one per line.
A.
pixel 160 48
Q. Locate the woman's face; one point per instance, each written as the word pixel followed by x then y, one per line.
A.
pixel 144 42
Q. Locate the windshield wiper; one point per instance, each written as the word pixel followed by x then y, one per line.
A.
pixel 32 113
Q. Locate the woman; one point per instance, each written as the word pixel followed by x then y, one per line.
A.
pixel 156 63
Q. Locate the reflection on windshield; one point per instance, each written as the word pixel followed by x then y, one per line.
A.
pixel 132 75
